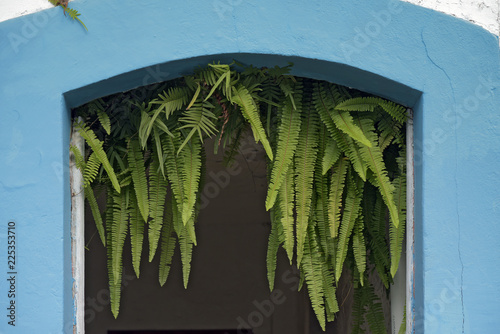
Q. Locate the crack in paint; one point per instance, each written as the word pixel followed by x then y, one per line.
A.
pixel 456 185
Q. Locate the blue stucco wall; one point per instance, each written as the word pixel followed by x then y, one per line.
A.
pixel 446 69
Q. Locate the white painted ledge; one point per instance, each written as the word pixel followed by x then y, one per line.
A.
pixel 10 9
pixel 485 13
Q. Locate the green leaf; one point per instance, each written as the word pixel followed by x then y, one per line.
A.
pixel 157 195
pixel 305 161
pixel 337 182
pixel 96 146
pixel 287 140
pixel 168 242
pixel 244 100
pixel 136 225
pixel 136 163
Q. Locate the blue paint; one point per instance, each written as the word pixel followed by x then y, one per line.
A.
pixel 445 68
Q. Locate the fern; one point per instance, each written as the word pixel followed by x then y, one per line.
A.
pixel 373 157
pixel 305 160
pixel 136 162
pixel 288 136
pixel 191 173
pixel 351 213
pixel 136 226
pixel 359 248
pixel 286 206
pixel 168 242
pixel 73 13
pixel 244 100
pixel 96 146
pixel 157 194
pixel 323 142
pixel 397 233
pixel 313 273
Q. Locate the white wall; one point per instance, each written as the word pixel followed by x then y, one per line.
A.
pixel 485 13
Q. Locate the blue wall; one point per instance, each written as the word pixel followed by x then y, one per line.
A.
pixel 444 68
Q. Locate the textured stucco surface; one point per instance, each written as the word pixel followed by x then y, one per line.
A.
pixel 485 13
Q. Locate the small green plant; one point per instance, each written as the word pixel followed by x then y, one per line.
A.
pixel 336 171
pixel 73 13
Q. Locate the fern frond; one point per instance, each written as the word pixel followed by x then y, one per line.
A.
pixel 337 183
pixel 396 111
pixel 168 242
pixel 96 213
pixel 287 140
pixel 244 100
pixel 351 150
pixel 272 251
pixel 286 198
pixel 73 13
pixel 375 313
pixel 104 120
pixel 136 226
pixel 118 228
pixel 91 169
pixel 174 167
pixel 96 146
pixel 397 234
pixel 199 119
pixel 373 157
pixel 175 99
pixel 330 156
pixel 313 273
pixel 351 212
pixel 359 248
pixel 305 161
pixel 136 163
pixel 186 248
pixel 191 173
pixel 330 293
pixel 157 194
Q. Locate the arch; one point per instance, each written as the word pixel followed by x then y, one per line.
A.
pixel 446 69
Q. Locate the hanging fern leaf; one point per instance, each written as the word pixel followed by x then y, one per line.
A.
pixel 337 182
pixel 191 159
pixel 96 213
pixel 244 100
pixel 174 167
pixel 313 274
pixel 359 248
pixel 288 136
pixel 186 247
pixel 96 146
pixel 136 226
pixel 351 212
pixel 136 162
pixel 330 156
pixel 175 99
pixel 305 160
pixel 157 194
pixel 286 197
pixel 272 250
pixel 397 233
pixel 373 157
pixel 200 120
pixel 168 242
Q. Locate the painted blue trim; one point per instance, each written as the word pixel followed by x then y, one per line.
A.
pixel 445 68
